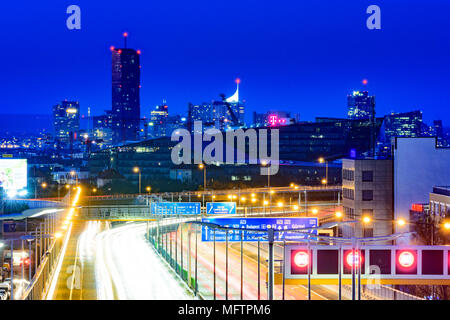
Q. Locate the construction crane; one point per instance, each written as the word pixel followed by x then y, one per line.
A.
pixel 230 110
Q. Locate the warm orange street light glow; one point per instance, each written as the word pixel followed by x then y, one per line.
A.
pixel 265 202
pixel 136 169
pixel 315 211
pixel 321 160
pixel 447 225
pixel 295 207
pixel 324 181
pixel 253 200
pixel 338 214
pixel 401 222
pixel 44 185
pixel 366 219
pixel 280 204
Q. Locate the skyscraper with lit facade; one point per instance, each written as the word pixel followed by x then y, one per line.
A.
pixel 407 124
pixel 126 107
pixel 361 106
pixel 66 121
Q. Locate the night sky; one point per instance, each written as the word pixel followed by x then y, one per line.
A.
pixel 301 56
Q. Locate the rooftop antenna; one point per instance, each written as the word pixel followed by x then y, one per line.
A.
pixel 125 36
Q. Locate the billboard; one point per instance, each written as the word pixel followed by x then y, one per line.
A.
pixel 220 207
pixel 257 223
pixel 13 174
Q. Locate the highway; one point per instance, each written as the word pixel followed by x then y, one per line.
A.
pixel 107 263
pixel 205 269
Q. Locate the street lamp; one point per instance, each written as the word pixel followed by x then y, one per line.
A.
pixel 338 214
pixel 201 166
pixel 137 170
pixel 366 219
pixel 322 160
pixel 148 188
pixel 315 211
pixel 73 173
pixel 446 225
pixel 265 163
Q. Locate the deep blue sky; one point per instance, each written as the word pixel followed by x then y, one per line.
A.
pixel 303 56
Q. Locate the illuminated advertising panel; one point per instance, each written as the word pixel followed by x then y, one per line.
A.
pixel 13 174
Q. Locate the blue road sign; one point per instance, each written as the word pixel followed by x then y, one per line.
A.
pixel 169 208
pixel 188 208
pixel 221 208
pixel 257 223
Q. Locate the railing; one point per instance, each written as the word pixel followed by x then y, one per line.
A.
pixel 384 292
pixel 220 192
pixel 50 258
pixel 38 287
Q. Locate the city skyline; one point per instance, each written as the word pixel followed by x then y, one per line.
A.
pixel 283 65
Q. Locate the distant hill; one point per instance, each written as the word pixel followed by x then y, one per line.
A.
pixel 25 123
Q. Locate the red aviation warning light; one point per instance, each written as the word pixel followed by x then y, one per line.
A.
pixel 364 82
pixel 300 260
pixel 237 80
pixel 125 34
pixel 406 262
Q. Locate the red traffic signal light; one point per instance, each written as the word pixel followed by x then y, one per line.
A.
pixel 406 262
pixel 357 258
pixel 406 259
pixel 300 260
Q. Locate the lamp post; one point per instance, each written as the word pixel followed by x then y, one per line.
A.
pixel 322 160
pixel 137 170
pixel 264 163
pixel 201 166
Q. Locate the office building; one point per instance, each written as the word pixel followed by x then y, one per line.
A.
pixel 361 106
pixel 102 128
pixel 367 193
pixel 274 118
pixel 66 121
pixel 440 202
pixel 158 119
pixel 126 107
pixel 229 113
pixel 419 165
pixel 407 124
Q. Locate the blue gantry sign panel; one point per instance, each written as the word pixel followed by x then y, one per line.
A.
pixel 257 223
pixel 169 208
pixel 221 208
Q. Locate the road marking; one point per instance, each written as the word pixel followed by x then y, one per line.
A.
pixel 51 292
